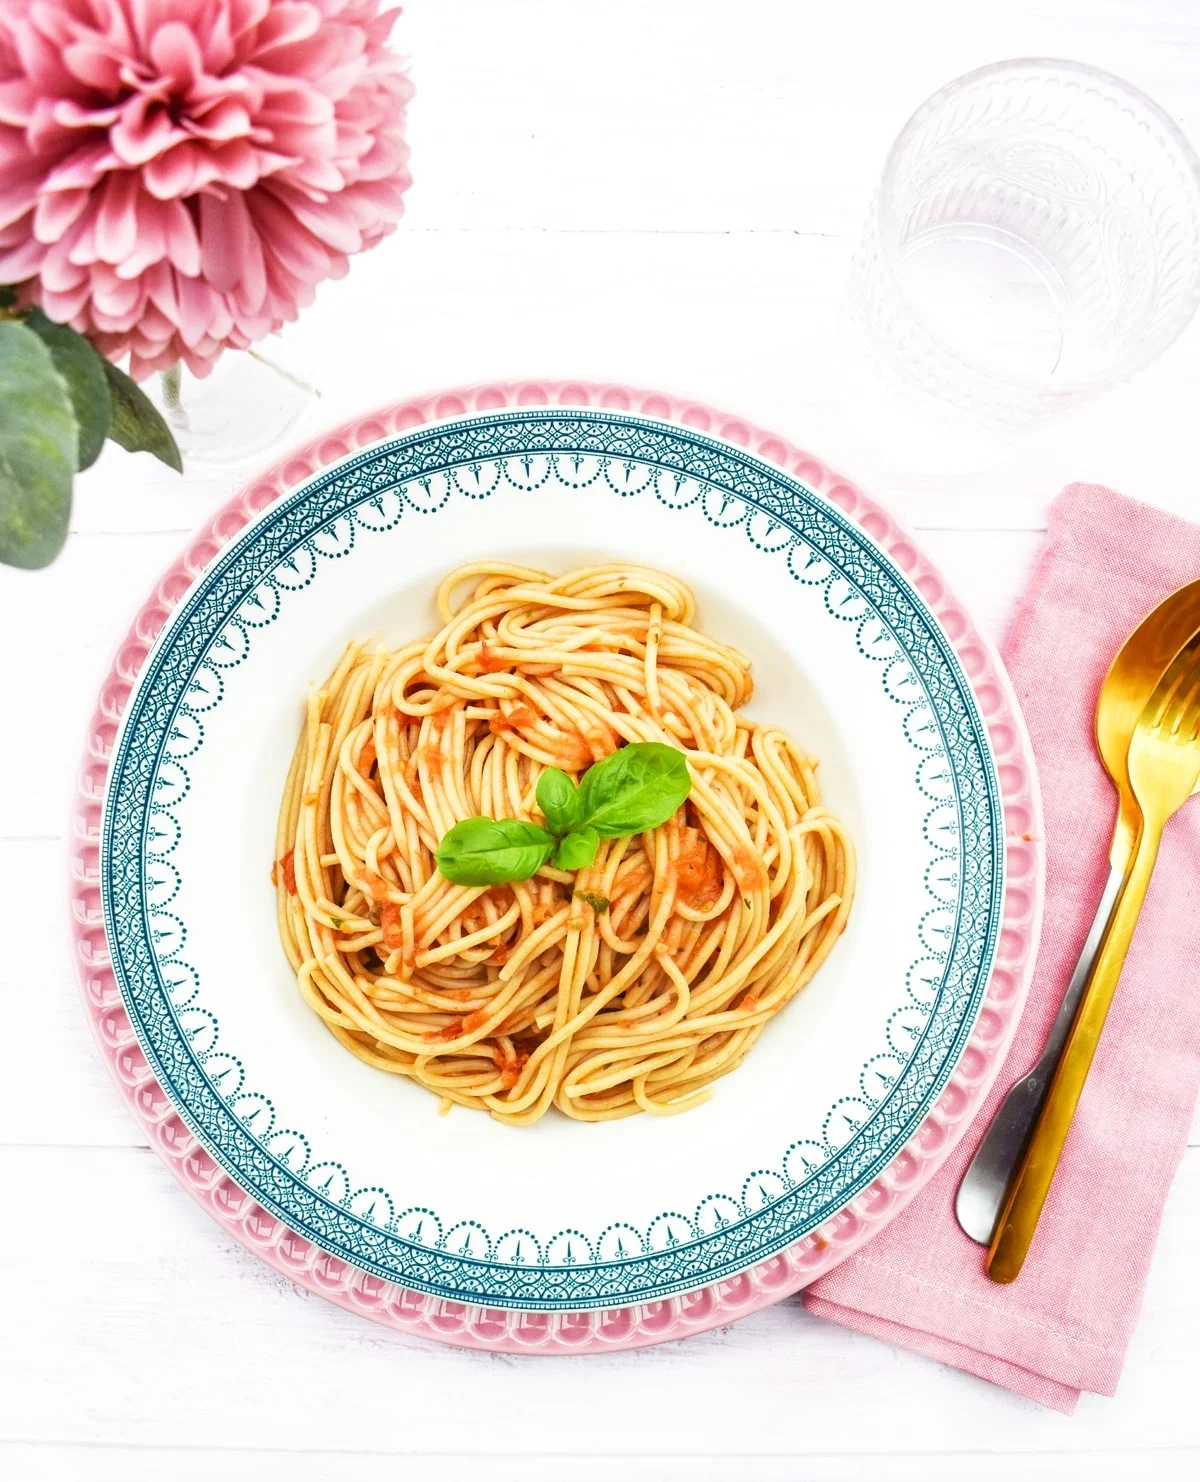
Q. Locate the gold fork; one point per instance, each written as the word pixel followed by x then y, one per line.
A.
pixel 1164 767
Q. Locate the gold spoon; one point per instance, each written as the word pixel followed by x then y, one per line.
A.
pixel 1135 671
pixel 1163 768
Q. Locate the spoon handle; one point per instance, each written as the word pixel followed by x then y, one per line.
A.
pixel 1027 1195
pixel 981 1193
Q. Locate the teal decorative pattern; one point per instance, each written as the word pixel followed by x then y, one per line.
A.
pixel 424 472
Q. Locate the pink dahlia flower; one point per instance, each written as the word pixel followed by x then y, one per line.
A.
pixel 177 176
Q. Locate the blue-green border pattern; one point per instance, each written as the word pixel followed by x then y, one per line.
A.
pixel 421 472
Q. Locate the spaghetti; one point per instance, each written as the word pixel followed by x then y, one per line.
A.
pixel 629 986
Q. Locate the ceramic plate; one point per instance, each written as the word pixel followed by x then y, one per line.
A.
pixel 848 653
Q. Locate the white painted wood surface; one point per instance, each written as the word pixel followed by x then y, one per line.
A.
pixel 658 191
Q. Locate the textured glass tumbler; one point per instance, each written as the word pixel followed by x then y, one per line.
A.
pixel 1034 240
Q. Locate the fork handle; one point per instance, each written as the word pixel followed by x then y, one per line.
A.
pixel 985 1183
pixel 981 1193
pixel 1027 1193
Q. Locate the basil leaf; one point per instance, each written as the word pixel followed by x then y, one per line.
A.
pixel 558 798
pixel 493 851
pixel 635 789
pixel 577 850
pixel 598 903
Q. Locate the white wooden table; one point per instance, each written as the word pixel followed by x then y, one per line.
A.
pixel 664 192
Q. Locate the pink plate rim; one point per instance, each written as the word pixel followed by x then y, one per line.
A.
pixel 625 1327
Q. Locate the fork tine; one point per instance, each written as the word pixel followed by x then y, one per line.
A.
pixel 1187 710
pixel 1175 691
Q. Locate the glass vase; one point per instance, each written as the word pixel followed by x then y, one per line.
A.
pixel 247 404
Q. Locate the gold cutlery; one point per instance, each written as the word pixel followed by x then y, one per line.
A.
pixel 1131 679
pixel 1163 768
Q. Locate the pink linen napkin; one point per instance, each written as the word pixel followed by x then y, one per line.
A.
pixel 1063 1326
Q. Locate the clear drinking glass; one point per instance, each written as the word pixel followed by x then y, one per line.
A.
pixel 1034 240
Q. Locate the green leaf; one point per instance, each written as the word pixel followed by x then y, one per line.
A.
pixel 635 789
pixel 136 422
pixel 576 851
pixel 558 798
pixel 598 903
pixel 8 296
pixel 82 368
pixel 493 851
pixel 37 450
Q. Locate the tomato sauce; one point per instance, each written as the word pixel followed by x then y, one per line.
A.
pixel 432 757
pixel 373 886
pixel 489 662
pixel 389 919
pixel 749 869
pixel 513 721
pixel 573 754
pixel 510 1073
pixel 698 874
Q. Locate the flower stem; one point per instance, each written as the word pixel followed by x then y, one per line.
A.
pixel 171 381
pixel 281 371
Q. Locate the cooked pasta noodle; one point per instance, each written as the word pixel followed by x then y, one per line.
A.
pixel 629 986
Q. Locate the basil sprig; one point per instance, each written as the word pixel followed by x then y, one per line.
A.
pixel 635 789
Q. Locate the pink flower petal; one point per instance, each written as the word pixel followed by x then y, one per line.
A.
pixel 180 171
pixel 16 201
pixel 291 100
pixel 143 130
pixel 58 273
pixel 297 251
pixel 227 241
pixel 149 16
pixel 235 163
pixel 174 51
pixel 318 178
pixel 63 307
pixel 17 98
pixel 116 220
pixel 198 307
pixel 160 286
pixel 286 24
pixel 40 62
pixel 94 65
pixel 117 296
pixel 228 118
pixel 182 239
pixel 177 176
pixel 332 224
pixel 56 211
pixel 55 25
pixel 72 115
pixel 217 39
pixel 22 261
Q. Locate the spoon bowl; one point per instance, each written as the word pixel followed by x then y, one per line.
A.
pixel 1139 665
